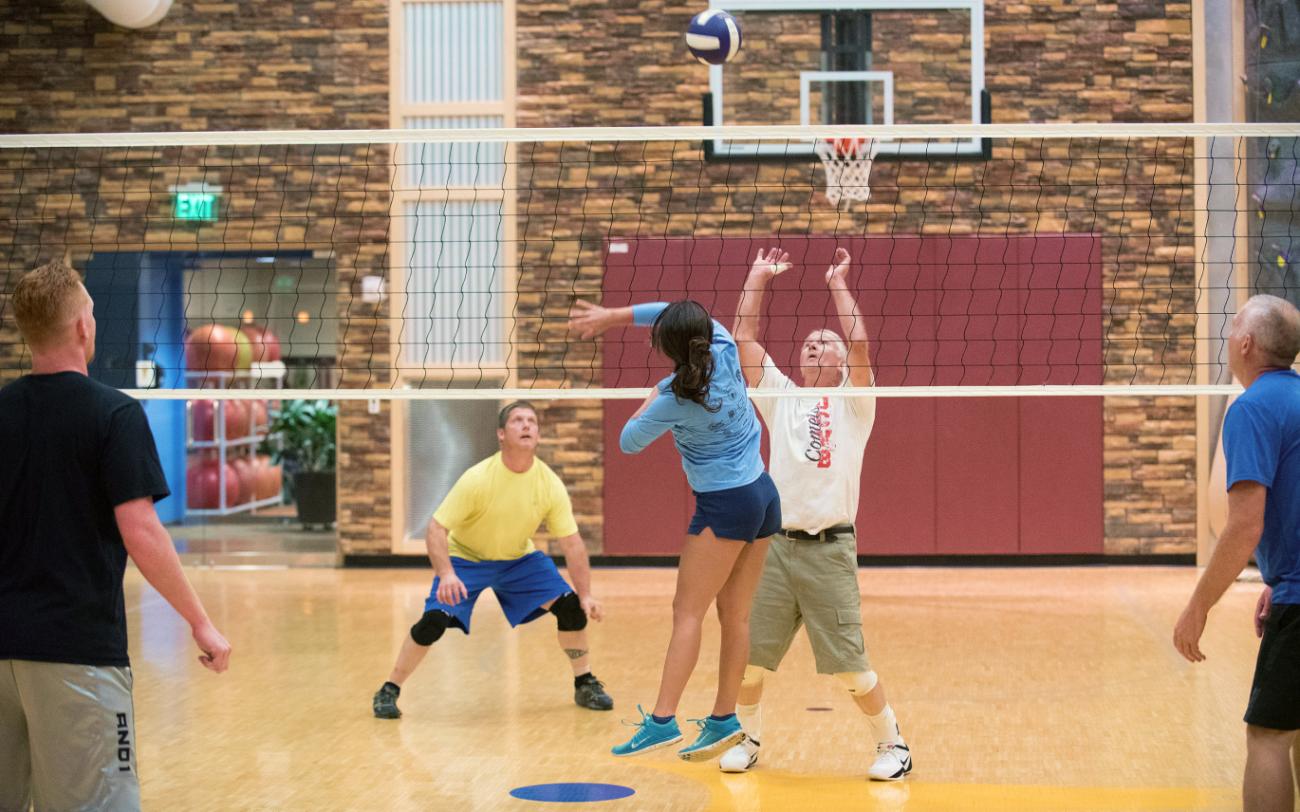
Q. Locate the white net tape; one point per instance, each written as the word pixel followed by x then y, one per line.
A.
pixel 848 167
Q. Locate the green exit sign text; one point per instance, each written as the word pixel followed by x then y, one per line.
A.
pixel 200 206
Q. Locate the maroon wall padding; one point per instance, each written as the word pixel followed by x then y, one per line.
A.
pixel 947 476
pixel 648 502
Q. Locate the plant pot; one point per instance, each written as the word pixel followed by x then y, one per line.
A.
pixel 315 493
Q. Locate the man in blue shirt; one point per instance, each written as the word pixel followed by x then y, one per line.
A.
pixel 1261 441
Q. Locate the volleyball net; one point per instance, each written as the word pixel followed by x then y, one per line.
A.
pixel 1060 259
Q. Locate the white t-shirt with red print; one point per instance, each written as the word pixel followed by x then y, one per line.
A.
pixel 817 448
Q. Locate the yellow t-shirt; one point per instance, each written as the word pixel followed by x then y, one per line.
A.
pixel 492 512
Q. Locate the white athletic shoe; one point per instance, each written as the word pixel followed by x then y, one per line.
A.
pixel 893 763
pixel 739 758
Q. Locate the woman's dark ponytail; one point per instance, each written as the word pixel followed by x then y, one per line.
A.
pixel 684 333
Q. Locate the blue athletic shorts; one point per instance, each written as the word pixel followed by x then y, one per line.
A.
pixel 746 513
pixel 521 585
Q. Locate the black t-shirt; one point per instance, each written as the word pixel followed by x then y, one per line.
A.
pixel 71 450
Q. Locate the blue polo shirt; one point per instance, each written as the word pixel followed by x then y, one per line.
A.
pixel 1261 441
pixel 720 450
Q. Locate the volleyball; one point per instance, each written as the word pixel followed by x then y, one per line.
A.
pixel 713 37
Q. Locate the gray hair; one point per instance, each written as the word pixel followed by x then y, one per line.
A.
pixel 1274 323
pixel 834 339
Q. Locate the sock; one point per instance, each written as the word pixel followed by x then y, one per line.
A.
pixel 884 727
pixel 397 689
pixel 661 720
pixel 751 719
pixel 583 679
pixel 724 717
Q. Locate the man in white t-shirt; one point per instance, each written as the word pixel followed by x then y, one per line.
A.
pixel 810 575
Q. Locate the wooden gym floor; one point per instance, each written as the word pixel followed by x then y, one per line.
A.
pixel 1018 689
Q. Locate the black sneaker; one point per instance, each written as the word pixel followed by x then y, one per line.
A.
pixel 385 703
pixel 590 694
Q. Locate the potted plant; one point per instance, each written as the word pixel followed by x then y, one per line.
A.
pixel 306 448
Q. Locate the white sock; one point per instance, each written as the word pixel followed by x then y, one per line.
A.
pixel 751 720
pixel 884 726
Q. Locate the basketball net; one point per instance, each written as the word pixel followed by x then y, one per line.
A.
pixel 848 167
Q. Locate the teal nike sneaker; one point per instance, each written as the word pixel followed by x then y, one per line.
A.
pixel 649 735
pixel 715 737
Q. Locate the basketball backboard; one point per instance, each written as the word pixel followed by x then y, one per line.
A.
pixel 851 62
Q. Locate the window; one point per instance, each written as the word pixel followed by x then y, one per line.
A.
pixel 846 46
pixel 452 242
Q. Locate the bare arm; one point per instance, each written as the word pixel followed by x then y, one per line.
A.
pixel 852 324
pixel 645 404
pixel 150 547
pixel 589 320
pixel 451 590
pixel 435 542
pixel 748 311
pixel 579 567
pixel 1239 539
pixel 575 559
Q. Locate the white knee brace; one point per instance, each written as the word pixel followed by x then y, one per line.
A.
pixel 859 683
pixel 753 676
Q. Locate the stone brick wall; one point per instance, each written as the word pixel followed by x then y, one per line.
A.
pixel 221 66
pixel 1048 61
pixel 928 54
pixel 244 64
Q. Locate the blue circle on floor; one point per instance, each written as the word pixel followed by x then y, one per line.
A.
pixel 579 793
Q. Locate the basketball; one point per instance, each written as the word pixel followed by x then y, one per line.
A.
pixel 266 480
pixel 211 347
pixel 259 416
pixel 246 478
pixel 713 37
pixel 203 485
pixel 266 347
pixel 237 418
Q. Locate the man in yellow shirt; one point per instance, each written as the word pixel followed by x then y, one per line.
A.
pixel 479 537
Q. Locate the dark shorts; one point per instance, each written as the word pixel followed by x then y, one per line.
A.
pixel 746 513
pixel 1275 694
pixel 521 585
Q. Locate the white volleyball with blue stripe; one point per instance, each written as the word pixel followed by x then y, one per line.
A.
pixel 713 36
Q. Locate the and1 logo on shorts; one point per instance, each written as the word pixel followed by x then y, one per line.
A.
pixel 123 743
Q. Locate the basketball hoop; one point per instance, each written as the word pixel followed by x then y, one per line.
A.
pixel 848 167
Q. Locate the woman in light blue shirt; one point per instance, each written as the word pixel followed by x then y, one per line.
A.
pixel 705 405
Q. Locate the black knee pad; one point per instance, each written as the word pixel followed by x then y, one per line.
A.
pixel 568 613
pixel 430 627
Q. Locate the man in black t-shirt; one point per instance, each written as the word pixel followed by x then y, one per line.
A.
pixel 79 475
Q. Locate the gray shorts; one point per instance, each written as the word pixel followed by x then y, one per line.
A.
pixel 67 738
pixel 812 584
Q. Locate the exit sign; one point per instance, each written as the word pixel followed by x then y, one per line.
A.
pixel 196 203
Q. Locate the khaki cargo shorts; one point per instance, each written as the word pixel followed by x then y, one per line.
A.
pixel 812 584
